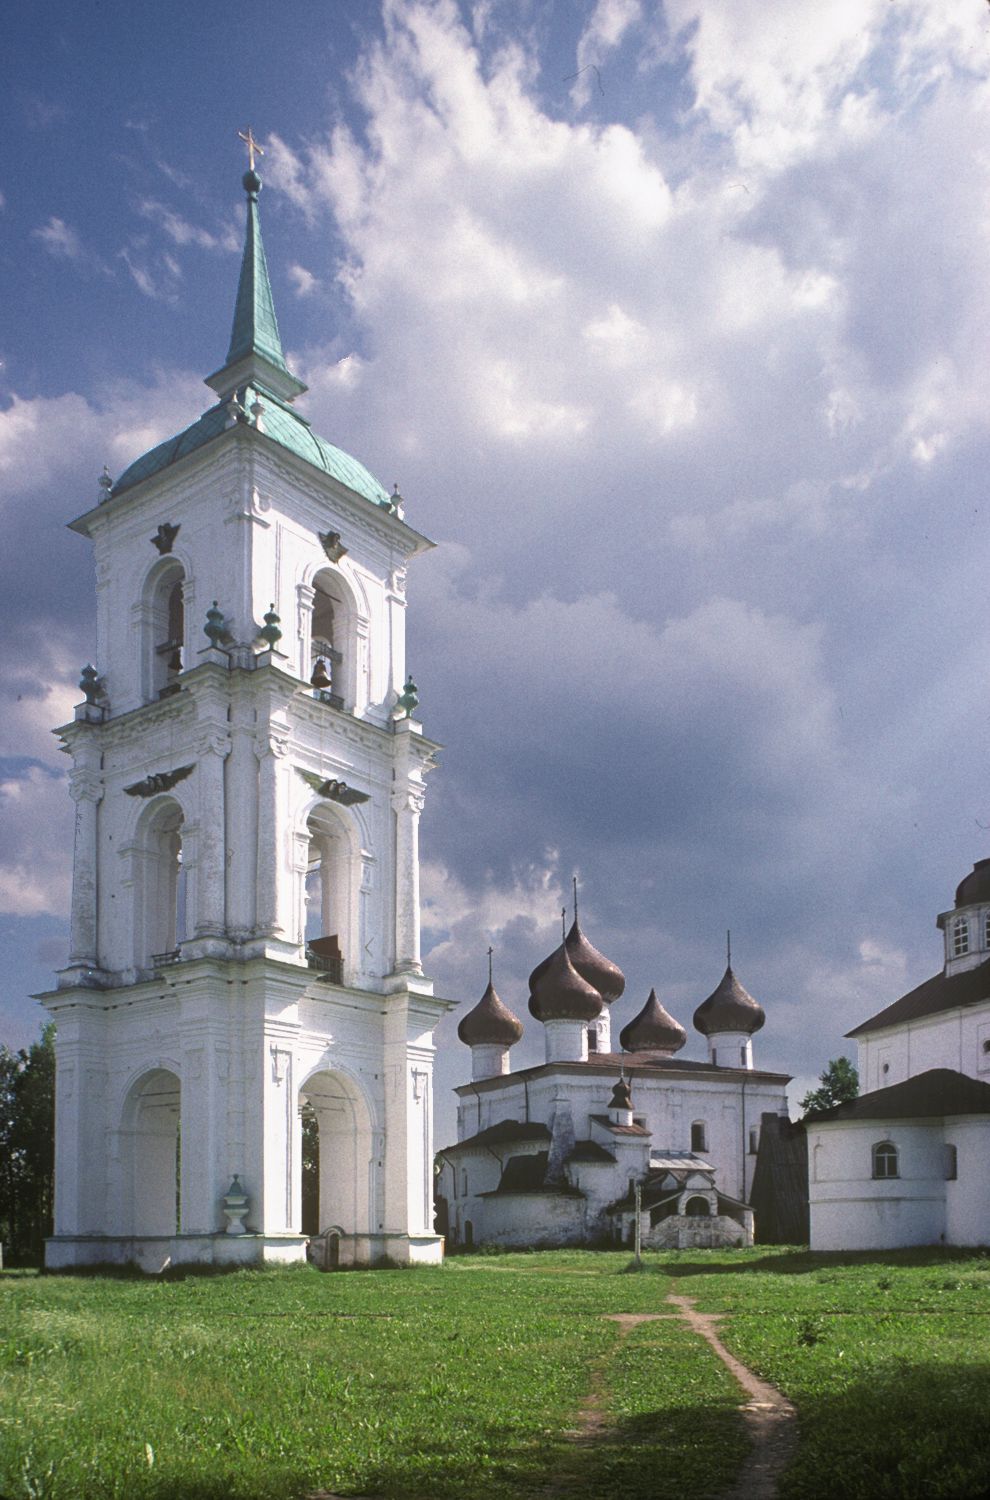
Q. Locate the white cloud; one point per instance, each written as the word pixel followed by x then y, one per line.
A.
pixel 182 233
pixel 59 239
pixel 608 24
pixel 304 283
pixel 36 821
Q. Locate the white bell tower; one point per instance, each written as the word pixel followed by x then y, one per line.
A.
pixel 248 777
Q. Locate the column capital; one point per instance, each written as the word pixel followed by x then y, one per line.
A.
pixel 411 799
pixel 86 786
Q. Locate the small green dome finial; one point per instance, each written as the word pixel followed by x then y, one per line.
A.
pixel 216 626
pixel 408 699
pixel 271 630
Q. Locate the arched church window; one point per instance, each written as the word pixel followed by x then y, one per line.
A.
pixel 164 631
pixel 697 1207
pixel 885 1160
pixel 960 937
pixel 986 930
pixel 699 1136
pixel 328 895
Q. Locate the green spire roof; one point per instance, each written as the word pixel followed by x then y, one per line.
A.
pixel 255 352
pixel 255 329
pixel 257 388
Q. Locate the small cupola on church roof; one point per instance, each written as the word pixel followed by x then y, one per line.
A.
pixel 621 1095
pixel 729 1008
pixel 974 888
pixel 490 1023
pixel 653 1030
pixel 560 993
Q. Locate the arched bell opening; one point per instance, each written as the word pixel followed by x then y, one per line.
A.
pixel 329 895
pixel 164 630
pixel 337 1165
pixel 150 1164
pixel 331 667
pixel 160 879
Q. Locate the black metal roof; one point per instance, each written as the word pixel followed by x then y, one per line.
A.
pixel 939 1092
pixel 940 993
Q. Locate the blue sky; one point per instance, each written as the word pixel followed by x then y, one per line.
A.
pixel 670 321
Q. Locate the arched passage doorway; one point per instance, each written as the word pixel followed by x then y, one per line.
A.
pixel 339 1150
pixel 150 1155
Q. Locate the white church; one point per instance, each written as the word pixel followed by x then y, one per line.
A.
pixel 908 1162
pixel 571 1151
pixel 248 777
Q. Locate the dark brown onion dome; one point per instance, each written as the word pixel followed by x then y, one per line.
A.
pixel 653 1030
pixel 974 887
pixel 560 994
pixel 490 1024
pixel 597 970
pixel 729 1008
pixel 621 1095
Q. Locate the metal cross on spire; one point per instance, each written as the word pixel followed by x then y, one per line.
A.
pixel 574 881
pixel 563 923
pixel 491 950
pixel 252 146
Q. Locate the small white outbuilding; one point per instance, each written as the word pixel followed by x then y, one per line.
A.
pixel 908 1162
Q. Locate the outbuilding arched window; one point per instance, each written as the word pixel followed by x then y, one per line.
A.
pixel 698 1208
pixel 885 1159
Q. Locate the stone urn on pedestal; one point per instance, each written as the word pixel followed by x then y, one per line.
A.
pixel 235 1206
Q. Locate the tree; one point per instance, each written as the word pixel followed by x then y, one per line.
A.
pixel 837 1083
pixel 27 1146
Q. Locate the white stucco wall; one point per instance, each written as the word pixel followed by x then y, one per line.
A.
pixel 955 1039
pixel 852 1210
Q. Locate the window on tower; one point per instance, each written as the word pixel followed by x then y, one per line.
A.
pixel 699 1136
pixel 160 887
pixel 164 629
pixel 960 937
pixel 327 895
pixel 329 640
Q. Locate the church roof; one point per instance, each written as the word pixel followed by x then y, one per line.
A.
pixel 506 1132
pixel 255 373
pixel 653 1029
pixel 940 993
pixel 939 1092
pixel 594 968
pixel 561 994
pixel 609 1064
pixel 729 1008
pixel 490 1023
pixel 974 887
pixel 591 1151
pixel 281 425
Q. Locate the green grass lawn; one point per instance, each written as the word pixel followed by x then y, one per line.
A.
pixel 464 1381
